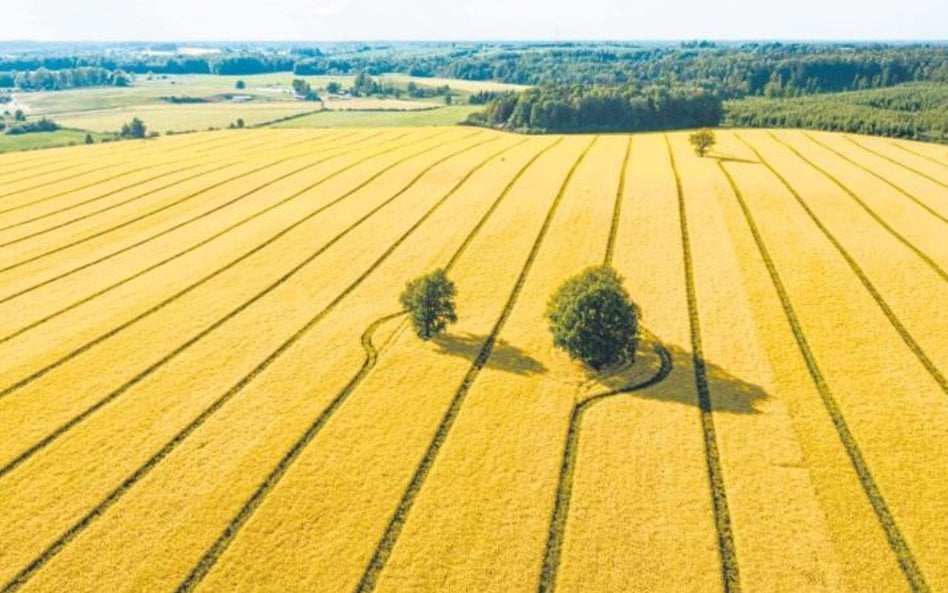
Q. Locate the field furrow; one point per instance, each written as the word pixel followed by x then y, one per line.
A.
pixel 924 236
pixel 15 197
pixel 173 235
pixel 64 215
pixel 417 195
pixel 208 382
pixel 894 153
pixel 174 205
pixel 626 509
pixel 892 276
pixel 860 368
pixel 31 391
pixel 343 542
pixel 918 198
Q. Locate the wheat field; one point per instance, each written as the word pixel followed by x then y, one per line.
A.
pixel 207 384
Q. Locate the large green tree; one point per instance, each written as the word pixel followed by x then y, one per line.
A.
pixel 429 301
pixel 593 319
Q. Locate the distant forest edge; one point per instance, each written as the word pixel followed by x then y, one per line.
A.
pixel 728 70
pixel 916 111
pixel 882 89
pixel 585 108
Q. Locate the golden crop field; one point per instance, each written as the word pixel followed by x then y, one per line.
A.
pixel 207 383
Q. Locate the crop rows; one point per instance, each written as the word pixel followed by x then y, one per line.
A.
pixel 262 237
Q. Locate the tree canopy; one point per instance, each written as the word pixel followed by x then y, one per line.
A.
pixel 429 301
pixel 593 319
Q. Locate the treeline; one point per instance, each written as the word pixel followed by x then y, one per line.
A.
pixel 581 108
pixel 730 70
pixel 225 64
pixel 916 111
pixel 773 70
pixel 43 79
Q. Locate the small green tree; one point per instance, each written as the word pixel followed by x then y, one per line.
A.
pixel 19 115
pixel 593 319
pixel 240 85
pixel 702 140
pixel 89 139
pixel 133 129
pixel 333 87
pixel 429 300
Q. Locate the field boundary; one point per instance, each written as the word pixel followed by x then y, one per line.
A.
pixel 730 571
pixel 879 177
pixel 895 162
pixel 857 270
pixel 896 541
pixel 152 462
pixel 875 216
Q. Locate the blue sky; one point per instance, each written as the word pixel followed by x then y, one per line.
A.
pixel 471 19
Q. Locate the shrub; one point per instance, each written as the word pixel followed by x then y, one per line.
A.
pixel 429 301
pixel 593 319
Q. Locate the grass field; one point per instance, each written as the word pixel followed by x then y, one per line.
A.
pixel 10 143
pixel 207 384
pixel 105 109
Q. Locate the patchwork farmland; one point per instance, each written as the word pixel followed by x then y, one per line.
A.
pixel 207 384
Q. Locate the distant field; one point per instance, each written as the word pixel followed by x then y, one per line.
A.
pixel 10 143
pixel 105 109
pixel 208 384
pixel 443 116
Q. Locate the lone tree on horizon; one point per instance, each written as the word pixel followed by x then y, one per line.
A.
pixel 702 140
pixel 429 300
pixel 593 319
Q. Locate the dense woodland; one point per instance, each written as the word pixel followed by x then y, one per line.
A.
pixel 886 89
pixel 918 111
pixel 730 70
pixel 567 108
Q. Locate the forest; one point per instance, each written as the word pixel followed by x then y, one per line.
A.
pixel 574 108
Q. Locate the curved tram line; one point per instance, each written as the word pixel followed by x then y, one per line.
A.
pixel 211 556
pixel 141 376
pixel 184 252
pixel 27 572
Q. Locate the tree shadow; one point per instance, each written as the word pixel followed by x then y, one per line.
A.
pixel 730 158
pixel 504 357
pixel 728 393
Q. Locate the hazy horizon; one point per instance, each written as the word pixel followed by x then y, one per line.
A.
pixel 489 20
